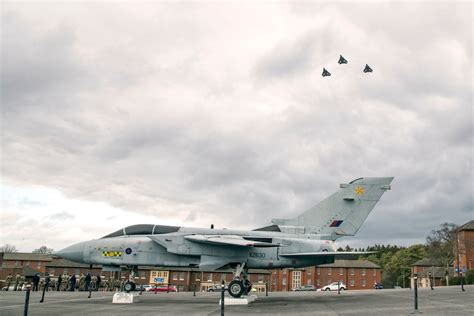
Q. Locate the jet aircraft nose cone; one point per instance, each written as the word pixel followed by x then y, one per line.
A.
pixel 74 253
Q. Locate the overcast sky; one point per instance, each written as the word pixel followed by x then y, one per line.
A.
pixel 203 112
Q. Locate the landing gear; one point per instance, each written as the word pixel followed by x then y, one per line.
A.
pixel 130 286
pixel 240 285
pixel 236 288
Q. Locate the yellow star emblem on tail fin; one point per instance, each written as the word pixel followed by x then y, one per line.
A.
pixel 359 190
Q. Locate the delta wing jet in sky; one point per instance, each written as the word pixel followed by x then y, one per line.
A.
pixel 306 240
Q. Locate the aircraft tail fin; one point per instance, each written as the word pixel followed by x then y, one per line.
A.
pixel 340 214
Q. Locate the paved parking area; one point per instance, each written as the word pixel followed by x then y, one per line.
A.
pixel 441 301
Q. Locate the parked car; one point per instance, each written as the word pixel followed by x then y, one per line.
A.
pixel 378 286
pixel 216 288
pixel 334 287
pixel 305 288
pixel 144 288
pixel 164 288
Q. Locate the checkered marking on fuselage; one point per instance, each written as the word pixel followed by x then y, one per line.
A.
pixel 112 253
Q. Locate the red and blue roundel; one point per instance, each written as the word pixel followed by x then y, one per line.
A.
pixel 336 223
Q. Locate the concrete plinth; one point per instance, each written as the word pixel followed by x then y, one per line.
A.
pixel 125 298
pixel 243 300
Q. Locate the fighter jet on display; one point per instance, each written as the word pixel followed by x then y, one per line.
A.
pixel 367 68
pixel 342 60
pixel 325 73
pixel 305 240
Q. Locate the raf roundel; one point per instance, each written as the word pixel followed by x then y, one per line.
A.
pixel 128 251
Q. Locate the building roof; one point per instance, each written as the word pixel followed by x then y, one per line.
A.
pixel 428 262
pixel 468 226
pixel 26 256
pixel 350 264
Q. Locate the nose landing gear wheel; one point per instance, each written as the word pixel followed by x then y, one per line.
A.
pixel 129 287
pixel 236 288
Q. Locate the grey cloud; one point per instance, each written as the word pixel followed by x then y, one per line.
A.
pixel 180 136
pixel 61 217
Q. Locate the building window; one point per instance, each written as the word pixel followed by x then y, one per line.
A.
pixel 222 277
pixel 78 271
pixel 363 271
pixel 260 278
pixel 329 271
pixel 27 263
pixel 351 282
pixel 209 277
pixel 181 276
pixel 318 282
pixel 308 282
pixel 197 278
pixel 352 271
pixel 39 264
pixel 66 270
pixel 341 271
pixel 374 273
pixel 283 281
pixel 296 282
pixel 51 271
pixel 17 263
pixel 318 270
pixel 175 276
pixel 329 281
pixel 362 282
pixel 308 272
pixel 284 271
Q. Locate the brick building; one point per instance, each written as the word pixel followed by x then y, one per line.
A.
pixel 356 274
pixel 465 247
pixel 424 267
pixel 185 279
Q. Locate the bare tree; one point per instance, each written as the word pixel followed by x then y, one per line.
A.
pixel 442 245
pixel 44 250
pixel 7 248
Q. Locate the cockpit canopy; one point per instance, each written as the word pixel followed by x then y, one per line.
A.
pixel 143 229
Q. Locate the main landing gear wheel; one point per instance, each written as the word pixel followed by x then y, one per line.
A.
pixel 129 287
pixel 236 288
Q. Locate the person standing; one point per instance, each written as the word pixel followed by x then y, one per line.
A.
pixel 72 283
pixel 17 281
pixel 87 281
pixel 58 283
pixel 98 283
pixel 66 282
pixel 36 280
pixel 9 280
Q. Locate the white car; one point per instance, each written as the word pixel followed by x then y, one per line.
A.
pixel 334 287
pixel 146 288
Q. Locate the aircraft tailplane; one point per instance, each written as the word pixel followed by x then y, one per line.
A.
pixel 340 214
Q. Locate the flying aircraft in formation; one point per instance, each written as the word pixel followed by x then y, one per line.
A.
pixel 305 240
pixel 367 68
pixel 341 61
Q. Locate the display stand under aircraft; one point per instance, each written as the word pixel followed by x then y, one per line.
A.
pixel 305 240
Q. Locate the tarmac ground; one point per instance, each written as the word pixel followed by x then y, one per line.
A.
pixel 441 301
